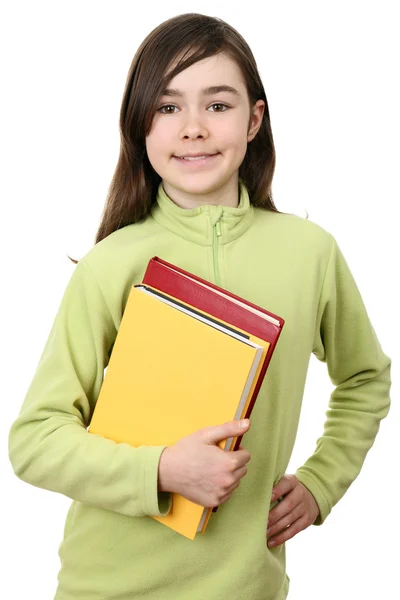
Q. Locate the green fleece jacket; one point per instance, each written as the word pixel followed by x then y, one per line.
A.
pixel 111 548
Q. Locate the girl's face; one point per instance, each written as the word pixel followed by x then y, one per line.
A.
pixel 199 115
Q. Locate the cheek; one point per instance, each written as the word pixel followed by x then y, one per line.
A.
pixel 234 135
pixel 157 142
pixel 235 144
pixel 163 130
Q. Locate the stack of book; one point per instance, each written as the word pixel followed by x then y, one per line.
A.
pixel 188 355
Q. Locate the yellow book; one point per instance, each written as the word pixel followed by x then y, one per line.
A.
pixel 173 371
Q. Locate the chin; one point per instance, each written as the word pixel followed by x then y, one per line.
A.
pixel 199 188
pixel 199 183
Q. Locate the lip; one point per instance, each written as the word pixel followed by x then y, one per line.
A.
pixel 199 162
pixel 194 154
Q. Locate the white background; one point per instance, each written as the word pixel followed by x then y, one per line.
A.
pixel 331 75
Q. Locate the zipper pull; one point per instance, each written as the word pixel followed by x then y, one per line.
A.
pixel 218 228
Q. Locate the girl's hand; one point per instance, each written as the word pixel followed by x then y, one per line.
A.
pixel 295 512
pixel 198 469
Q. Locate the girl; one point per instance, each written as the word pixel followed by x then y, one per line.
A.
pixel 193 186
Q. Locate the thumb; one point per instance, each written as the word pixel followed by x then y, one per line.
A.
pixel 213 435
pixel 284 486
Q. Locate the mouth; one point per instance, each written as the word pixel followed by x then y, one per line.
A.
pixel 203 159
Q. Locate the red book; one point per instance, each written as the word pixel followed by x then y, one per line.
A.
pixel 220 303
pixel 217 302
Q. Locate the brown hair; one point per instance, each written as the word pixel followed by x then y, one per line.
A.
pixel 186 39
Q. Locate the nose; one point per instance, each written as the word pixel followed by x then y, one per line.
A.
pixel 194 128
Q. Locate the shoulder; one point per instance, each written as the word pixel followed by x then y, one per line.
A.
pixel 294 232
pixel 120 247
pixel 116 262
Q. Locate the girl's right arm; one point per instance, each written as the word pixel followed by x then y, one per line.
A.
pixel 49 445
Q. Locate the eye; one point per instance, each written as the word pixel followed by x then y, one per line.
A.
pixel 220 104
pixel 161 109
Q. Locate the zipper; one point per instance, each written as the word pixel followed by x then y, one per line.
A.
pixel 217 234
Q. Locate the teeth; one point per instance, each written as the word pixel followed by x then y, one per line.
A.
pixel 193 157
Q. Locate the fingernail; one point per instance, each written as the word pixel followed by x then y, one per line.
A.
pixel 243 424
pixel 272 543
pixel 272 497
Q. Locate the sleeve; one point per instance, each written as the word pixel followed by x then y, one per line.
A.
pixel 360 372
pixel 49 445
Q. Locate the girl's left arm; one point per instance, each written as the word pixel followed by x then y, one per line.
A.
pixel 357 366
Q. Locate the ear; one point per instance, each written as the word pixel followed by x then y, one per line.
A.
pixel 256 115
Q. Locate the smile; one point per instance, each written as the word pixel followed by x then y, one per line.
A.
pixel 196 160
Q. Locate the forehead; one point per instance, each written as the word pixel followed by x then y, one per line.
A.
pixel 215 70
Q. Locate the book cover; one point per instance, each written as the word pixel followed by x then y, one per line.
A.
pixel 169 375
pixel 220 303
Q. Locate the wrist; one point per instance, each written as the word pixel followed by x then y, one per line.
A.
pixel 165 483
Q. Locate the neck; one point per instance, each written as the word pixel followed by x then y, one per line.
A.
pixel 198 223
pixel 225 195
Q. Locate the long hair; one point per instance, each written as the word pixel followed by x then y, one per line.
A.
pixel 184 40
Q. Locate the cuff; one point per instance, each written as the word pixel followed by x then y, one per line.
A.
pixel 310 483
pixel 156 503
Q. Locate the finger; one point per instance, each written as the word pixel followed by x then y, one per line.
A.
pixel 240 472
pixel 287 533
pixel 289 518
pixel 225 498
pixel 233 487
pixel 239 458
pixel 288 504
pixel 229 490
pixel 217 433
pixel 284 485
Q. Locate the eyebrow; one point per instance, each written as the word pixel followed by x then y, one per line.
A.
pixel 209 91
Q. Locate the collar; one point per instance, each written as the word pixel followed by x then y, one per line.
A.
pixel 197 224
